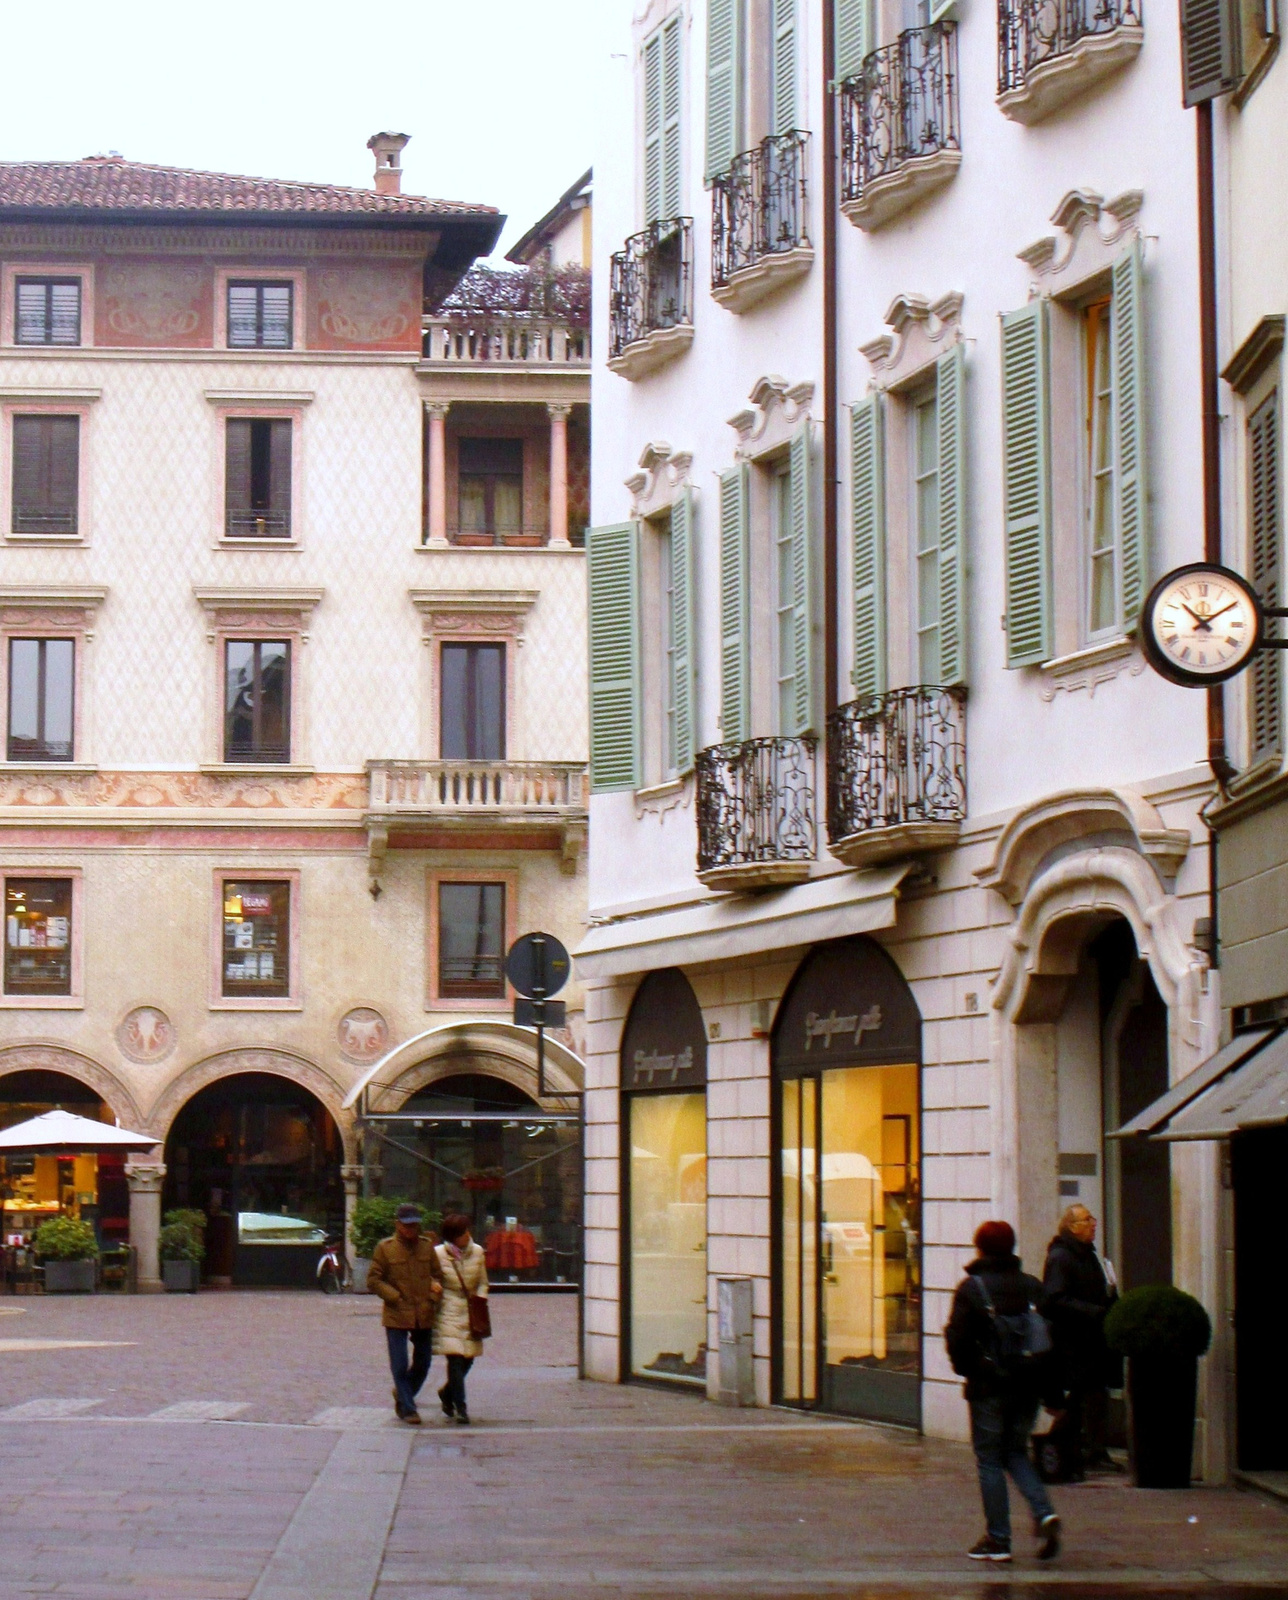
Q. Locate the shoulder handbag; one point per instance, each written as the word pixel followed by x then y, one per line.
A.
pixel 476 1306
pixel 1020 1340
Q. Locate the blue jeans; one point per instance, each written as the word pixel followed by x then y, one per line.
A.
pixel 408 1379
pixel 999 1430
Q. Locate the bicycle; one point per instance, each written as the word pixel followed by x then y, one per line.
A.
pixel 333 1274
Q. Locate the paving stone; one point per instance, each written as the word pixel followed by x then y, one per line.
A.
pixel 48 1410
pixel 200 1411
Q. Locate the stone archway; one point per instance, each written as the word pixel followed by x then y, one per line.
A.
pixel 497 1049
pixel 72 1064
pixel 232 1063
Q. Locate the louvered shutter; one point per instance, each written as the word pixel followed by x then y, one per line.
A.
pixel 851 29
pixel 612 557
pixel 783 98
pixel 236 472
pixel 1127 367
pixel 653 128
pixel 64 471
pixel 950 397
pixel 683 638
pixel 1209 49
pixel 867 518
pixel 46 474
pixel 735 642
pixel 279 472
pixel 724 84
pixel 1026 486
pixel 1265 689
pixel 803 532
pixel 671 118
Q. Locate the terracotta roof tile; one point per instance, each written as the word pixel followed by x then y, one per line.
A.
pixel 109 183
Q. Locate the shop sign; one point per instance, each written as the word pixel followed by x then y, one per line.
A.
pixel 664 1045
pixel 849 1005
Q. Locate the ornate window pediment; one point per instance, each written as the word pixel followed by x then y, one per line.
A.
pixel 777 410
pixel 663 474
pixel 922 330
pixel 1092 234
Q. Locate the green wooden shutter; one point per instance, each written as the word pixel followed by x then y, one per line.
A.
pixel 1128 378
pixel 683 641
pixel 612 555
pixel 735 641
pixel 782 108
pixel 852 36
pixel 653 127
pixel 803 608
pixel 950 396
pixel 724 84
pixel 867 521
pixel 671 118
pixel 1026 487
pixel 1265 690
pixel 1210 38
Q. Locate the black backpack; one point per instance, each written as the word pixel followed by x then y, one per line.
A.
pixel 1016 1341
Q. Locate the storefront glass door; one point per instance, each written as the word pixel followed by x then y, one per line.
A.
pixel 668 1236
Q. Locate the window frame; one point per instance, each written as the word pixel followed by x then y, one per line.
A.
pixel 923 399
pixel 48 284
pixel 258 873
pixel 75 1000
pixel 475 644
pixel 11 409
pixel 256 644
pixel 227 407
pixel 1099 430
pixel 436 876
pixel 41 639
pixel 225 277
pixel 461 616
pixel 247 615
pixel 35 615
pixel 12 271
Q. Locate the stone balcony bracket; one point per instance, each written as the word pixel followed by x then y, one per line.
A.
pixel 747 876
pixel 1061 78
pixel 646 355
pixel 895 192
pixel 895 843
pixel 749 286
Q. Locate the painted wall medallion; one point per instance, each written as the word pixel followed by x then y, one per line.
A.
pixel 363 1035
pixel 145 1035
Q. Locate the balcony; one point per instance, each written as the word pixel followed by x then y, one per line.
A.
pixel 900 131
pixel 511 342
pixel 756 827
pixel 760 222
pixel 1050 51
pixel 896 774
pixel 651 298
pixel 433 804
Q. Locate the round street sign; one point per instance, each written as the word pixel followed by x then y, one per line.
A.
pixel 537 965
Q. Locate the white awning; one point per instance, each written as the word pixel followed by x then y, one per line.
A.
pixel 64 1130
pixel 1255 1095
pixel 1158 1114
pixel 742 925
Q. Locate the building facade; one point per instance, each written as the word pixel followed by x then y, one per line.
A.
pixel 898 873
pixel 293 680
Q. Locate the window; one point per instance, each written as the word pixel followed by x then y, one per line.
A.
pixel 257 478
pixel 472 702
pixel 925 479
pixel 47 311
pixel 257 700
pixel 662 122
pixel 1102 543
pixel 471 941
pixel 46 474
pixel 784 600
pixel 490 489
pixel 259 316
pixel 38 936
pixel 1265 686
pixel 666 619
pixel 41 694
pixel 256 955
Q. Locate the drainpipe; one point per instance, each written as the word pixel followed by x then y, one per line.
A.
pixel 831 475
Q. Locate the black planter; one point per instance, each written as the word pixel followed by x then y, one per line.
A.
pixel 181 1277
pixel 1162 1390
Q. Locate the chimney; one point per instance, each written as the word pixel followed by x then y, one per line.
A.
pixel 388 148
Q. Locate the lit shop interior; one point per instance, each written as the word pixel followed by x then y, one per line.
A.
pixel 37 1187
pixel 478 1145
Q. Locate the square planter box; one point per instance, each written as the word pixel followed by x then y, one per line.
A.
pixel 181 1277
pixel 361 1267
pixel 70 1277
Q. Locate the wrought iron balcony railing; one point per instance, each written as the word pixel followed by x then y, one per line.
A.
pixel 253 524
pixel 651 285
pixel 760 206
pixel 1033 33
pixel 756 812
pixel 898 114
pixel 896 773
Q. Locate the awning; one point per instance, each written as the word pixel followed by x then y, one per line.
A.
pixel 740 925
pixel 1255 1095
pixel 73 1135
pixel 1227 1058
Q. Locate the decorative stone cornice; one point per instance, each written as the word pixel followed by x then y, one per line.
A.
pixel 923 330
pixel 1092 233
pixel 51 605
pixel 663 474
pixel 230 608
pixel 777 408
pixel 488 612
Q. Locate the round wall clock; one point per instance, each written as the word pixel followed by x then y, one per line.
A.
pixel 1201 624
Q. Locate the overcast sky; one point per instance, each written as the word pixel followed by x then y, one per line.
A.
pixel 497 94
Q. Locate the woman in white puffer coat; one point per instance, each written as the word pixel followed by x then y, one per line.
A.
pixel 464 1268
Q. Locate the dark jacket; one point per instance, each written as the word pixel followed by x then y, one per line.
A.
pixel 409 1280
pixel 968 1334
pixel 1078 1296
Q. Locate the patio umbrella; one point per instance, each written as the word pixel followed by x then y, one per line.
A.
pixel 65 1132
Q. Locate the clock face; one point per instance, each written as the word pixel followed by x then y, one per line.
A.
pixel 1200 624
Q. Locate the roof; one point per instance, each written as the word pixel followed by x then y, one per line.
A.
pixel 539 233
pixel 113 185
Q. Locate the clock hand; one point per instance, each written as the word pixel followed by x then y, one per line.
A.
pixel 1221 612
pixel 1202 623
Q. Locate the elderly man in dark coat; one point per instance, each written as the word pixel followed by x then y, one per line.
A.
pixel 1079 1290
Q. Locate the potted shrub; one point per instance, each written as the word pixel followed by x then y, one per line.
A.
pixel 1162 1331
pixel 373 1220
pixel 182 1248
pixel 68 1251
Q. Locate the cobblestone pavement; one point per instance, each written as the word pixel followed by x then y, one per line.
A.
pixel 240 1446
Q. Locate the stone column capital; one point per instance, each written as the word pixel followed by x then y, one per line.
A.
pixel 145 1177
pixel 437 409
pixel 558 408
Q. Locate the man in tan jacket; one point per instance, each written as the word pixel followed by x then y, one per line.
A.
pixel 406 1274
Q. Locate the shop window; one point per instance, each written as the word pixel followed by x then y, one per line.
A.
pixel 490 489
pixel 256 956
pixel 257 700
pixel 472 702
pixel 41 696
pixel 668 1235
pixel 46 474
pixel 257 478
pixel 47 311
pixel 471 941
pixel 38 936
pixel 259 316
